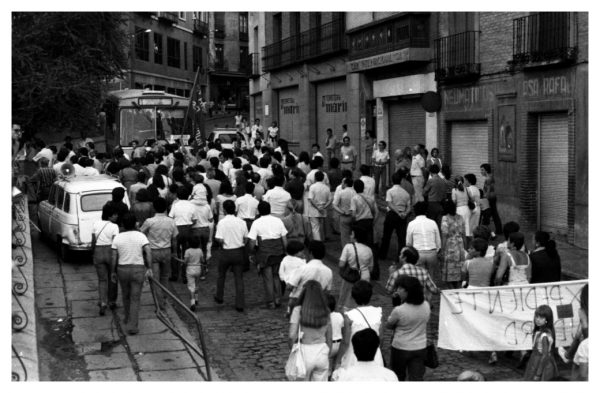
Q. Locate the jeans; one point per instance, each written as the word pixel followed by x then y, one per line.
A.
pixel 493 212
pixel 161 270
pixel 392 223
pixel 270 277
pixel 379 176
pixel 107 290
pixel 232 259
pixel 402 361
pixel 131 278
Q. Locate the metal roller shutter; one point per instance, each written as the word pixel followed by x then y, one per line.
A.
pixel 469 146
pixel 331 109
pixel 406 124
pixel 289 114
pixel 258 110
pixel 554 173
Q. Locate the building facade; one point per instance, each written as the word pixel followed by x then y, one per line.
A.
pixel 166 50
pixel 513 90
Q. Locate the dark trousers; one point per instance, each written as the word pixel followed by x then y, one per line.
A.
pixel 131 278
pixel 435 211
pixel 203 233
pixel 107 290
pixel 367 226
pixel 234 260
pixel 392 223
pixel 379 176
pixel 183 239
pixel 271 282
pixel 402 361
pixel 493 213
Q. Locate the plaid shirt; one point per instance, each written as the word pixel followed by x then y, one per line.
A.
pixel 414 271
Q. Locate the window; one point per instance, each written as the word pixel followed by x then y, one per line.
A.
pixel 196 57
pixel 244 60
pixel 181 15
pixel 94 202
pixel 219 60
pixel 158 48
pixel 219 25
pixel 185 56
pixel 243 26
pixel 67 206
pixel 60 197
pixel 142 44
pixel 173 53
pixel 159 87
pixel 277 27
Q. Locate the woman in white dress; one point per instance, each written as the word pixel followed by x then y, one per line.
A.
pixel 362 317
pixel 475 197
pixel 461 200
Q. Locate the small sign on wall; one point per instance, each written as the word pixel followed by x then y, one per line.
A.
pixel 266 110
pixel 507 150
pixel 363 125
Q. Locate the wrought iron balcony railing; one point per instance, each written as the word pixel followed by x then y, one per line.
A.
pixel 545 37
pixel 326 39
pixel 404 31
pixel 168 17
pixel 200 28
pixel 255 70
pixel 457 56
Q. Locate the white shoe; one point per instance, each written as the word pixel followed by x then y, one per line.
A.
pixel 562 352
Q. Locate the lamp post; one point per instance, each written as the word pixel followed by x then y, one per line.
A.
pixel 132 48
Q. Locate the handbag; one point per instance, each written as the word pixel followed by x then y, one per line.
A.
pixel 431 357
pixel 295 368
pixel 349 273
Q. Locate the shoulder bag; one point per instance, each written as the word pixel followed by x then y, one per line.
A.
pixel 97 236
pixel 349 273
pixel 295 368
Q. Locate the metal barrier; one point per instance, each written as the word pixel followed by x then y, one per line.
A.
pixel 161 315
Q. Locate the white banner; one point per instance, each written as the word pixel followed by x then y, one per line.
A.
pixel 501 318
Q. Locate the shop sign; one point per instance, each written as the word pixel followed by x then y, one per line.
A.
pixel 468 98
pixel 379 61
pixel 547 86
pixel 334 103
pixel 289 106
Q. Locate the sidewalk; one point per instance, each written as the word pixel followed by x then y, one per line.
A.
pixel 78 344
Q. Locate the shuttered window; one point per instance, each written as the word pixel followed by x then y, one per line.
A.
pixel 554 173
pixel 406 124
pixel 469 147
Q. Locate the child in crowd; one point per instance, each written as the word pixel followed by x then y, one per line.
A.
pixel 199 193
pixel 337 323
pixel 541 365
pixel 290 263
pixel 195 267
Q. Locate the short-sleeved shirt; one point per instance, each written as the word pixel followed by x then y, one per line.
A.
pixel 348 153
pixel 361 207
pixel 337 323
pixel 365 257
pixel 247 207
pixel 342 198
pixel 183 212
pixel 320 195
pixel 159 230
pixel 231 230
pixel 193 256
pixel 479 270
pixel 204 216
pixel 278 198
pixel 417 164
pixel 267 227
pixel 582 355
pixel 288 267
pixel 398 197
pixel 313 270
pixel 369 190
pixel 129 245
pixel 410 326
pixel 105 232
pixel 380 156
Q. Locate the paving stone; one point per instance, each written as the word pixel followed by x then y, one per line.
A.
pixel 48 281
pixel 104 362
pixel 83 295
pixel 187 374
pixel 97 322
pixel 164 361
pixel 88 348
pixel 152 326
pixel 119 374
pixel 85 308
pixel 53 313
pixel 91 276
pixel 90 335
pixel 50 297
pixel 87 285
pixel 146 343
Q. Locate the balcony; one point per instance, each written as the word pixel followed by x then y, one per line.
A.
pixel 219 30
pixel 457 57
pixel 326 39
pixel 200 28
pixel 255 70
pixel 244 36
pixel 545 38
pixel 400 32
pixel 220 65
pixel 168 17
pixel 245 66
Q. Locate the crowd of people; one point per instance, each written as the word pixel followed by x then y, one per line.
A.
pixel 259 205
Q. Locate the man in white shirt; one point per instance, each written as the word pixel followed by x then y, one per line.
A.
pixel 423 234
pixel 398 206
pixel 256 132
pixel 316 151
pixel 314 269
pixel 201 229
pixel 61 158
pixel 319 199
pixel 380 158
pixel 264 170
pixel 365 344
pixel 185 215
pixel 86 167
pixel 231 234
pixel 342 199
pixel 278 198
pixel 268 236
pixel 416 172
pixel 315 166
pixel 247 205
pixel 363 209
pixel 227 163
pixel 368 181
pixel 44 152
pixel 212 152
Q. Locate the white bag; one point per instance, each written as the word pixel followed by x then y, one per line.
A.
pixel 295 368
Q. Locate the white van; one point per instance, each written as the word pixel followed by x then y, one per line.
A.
pixel 73 204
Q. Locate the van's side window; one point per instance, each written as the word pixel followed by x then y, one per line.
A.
pixel 52 195
pixel 66 206
pixel 60 196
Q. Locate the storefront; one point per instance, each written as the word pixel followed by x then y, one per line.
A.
pixel 331 109
pixel 289 114
pixel 406 124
